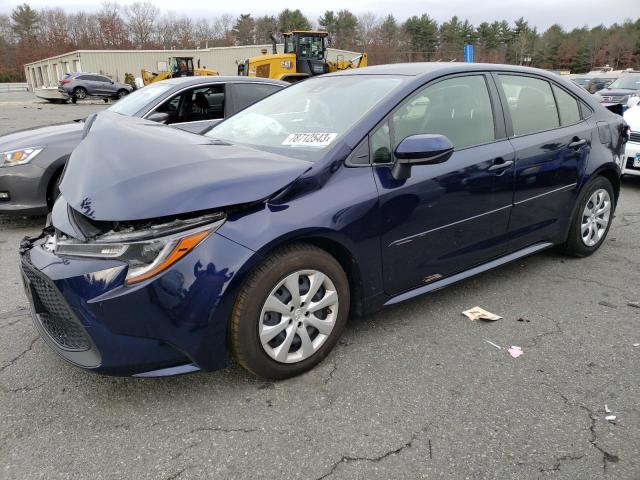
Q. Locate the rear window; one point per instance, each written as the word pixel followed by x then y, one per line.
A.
pixel 531 104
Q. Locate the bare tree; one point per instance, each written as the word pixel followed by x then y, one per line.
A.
pixel 369 28
pixel 184 32
pixel 113 30
pixel 141 19
pixel 202 33
pixel 222 26
pixel 165 32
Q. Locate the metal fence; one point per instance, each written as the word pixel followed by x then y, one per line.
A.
pixel 13 87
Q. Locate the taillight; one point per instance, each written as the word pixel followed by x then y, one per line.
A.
pixel 65 81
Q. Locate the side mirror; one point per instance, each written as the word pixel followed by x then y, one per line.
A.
pixel 159 117
pixel 425 149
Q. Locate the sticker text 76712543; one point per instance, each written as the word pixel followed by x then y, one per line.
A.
pixel 311 139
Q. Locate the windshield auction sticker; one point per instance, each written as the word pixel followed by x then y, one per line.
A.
pixel 311 139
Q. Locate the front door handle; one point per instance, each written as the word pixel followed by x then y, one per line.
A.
pixel 500 165
pixel 578 143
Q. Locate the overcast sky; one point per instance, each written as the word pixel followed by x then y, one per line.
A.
pixel 541 13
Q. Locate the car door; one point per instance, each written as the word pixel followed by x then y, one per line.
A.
pixel 107 86
pixel 447 217
pixel 87 82
pixel 97 85
pixel 552 144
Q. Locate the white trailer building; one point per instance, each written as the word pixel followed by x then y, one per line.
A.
pixel 43 75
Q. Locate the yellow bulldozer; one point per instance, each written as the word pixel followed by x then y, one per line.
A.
pixel 178 67
pixel 305 55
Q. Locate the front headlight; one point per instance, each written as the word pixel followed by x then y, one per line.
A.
pixel 19 157
pixel 148 252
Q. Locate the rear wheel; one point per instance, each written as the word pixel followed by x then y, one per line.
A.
pixel 592 219
pixel 80 93
pixel 122 93
pixel 290 312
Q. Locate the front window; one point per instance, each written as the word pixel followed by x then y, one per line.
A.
pixel 304 119
pixel 136 101
pixel 627 82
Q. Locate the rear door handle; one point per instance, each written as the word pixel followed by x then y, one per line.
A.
pixel 500 165
pixel 578 143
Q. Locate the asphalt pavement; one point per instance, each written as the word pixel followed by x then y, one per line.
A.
pixel 415 391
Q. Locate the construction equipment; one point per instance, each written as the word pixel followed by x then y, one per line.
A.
pixel 178 67
pixel 305 55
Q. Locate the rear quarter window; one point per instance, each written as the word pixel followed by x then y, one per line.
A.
pixel 250 93
pixel 567 107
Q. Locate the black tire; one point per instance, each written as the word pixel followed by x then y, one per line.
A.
pixel 574 245
pixel 74 100
pixel 122 93
pixel 53 190
pixel 80 93
pixel 244 323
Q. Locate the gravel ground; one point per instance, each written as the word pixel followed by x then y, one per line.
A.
pixel 414 391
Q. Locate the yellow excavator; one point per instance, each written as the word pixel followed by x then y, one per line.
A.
pixel 178 67
pixel 305 55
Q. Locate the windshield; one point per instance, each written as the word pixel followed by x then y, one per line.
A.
pixel 307 117
pixel 629 82
pixel 134 102
pixel 311 47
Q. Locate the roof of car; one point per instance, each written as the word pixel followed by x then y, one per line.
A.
pixel 197 80
pixel 424 68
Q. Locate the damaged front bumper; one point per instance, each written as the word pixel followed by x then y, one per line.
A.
pixel 172 323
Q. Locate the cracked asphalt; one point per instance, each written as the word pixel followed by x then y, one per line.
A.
pixel 415 391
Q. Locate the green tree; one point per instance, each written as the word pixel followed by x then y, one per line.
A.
pixel 423 35
pixel 245 30
pixel 24 22
pixel 292 20
pixel 266 25
pixel 346 30
pixel 389 32
pixel 550 42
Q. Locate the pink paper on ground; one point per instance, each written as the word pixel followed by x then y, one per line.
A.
pixel 515 351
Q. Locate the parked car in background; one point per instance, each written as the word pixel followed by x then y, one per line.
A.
pixel 598 83
pixel 32 160
pixel 343 193
pixel 619 91
pixel 580 81
pixel 631 162
pixel 79 85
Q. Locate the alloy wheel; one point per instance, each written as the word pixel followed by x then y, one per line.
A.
pixel 595 217
pixel 298 316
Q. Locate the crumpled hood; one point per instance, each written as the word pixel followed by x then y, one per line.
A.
pixel 38 137
pixel 132 169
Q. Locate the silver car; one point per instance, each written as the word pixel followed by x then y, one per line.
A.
pixel 31 161
pixel 78 86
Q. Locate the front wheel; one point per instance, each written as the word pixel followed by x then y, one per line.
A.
pixel 290 312
pixel 592 219
pixel 122 93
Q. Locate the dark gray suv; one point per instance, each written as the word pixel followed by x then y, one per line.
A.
pixel 79 85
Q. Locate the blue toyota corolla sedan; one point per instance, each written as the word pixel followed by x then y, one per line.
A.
pixel 169 251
